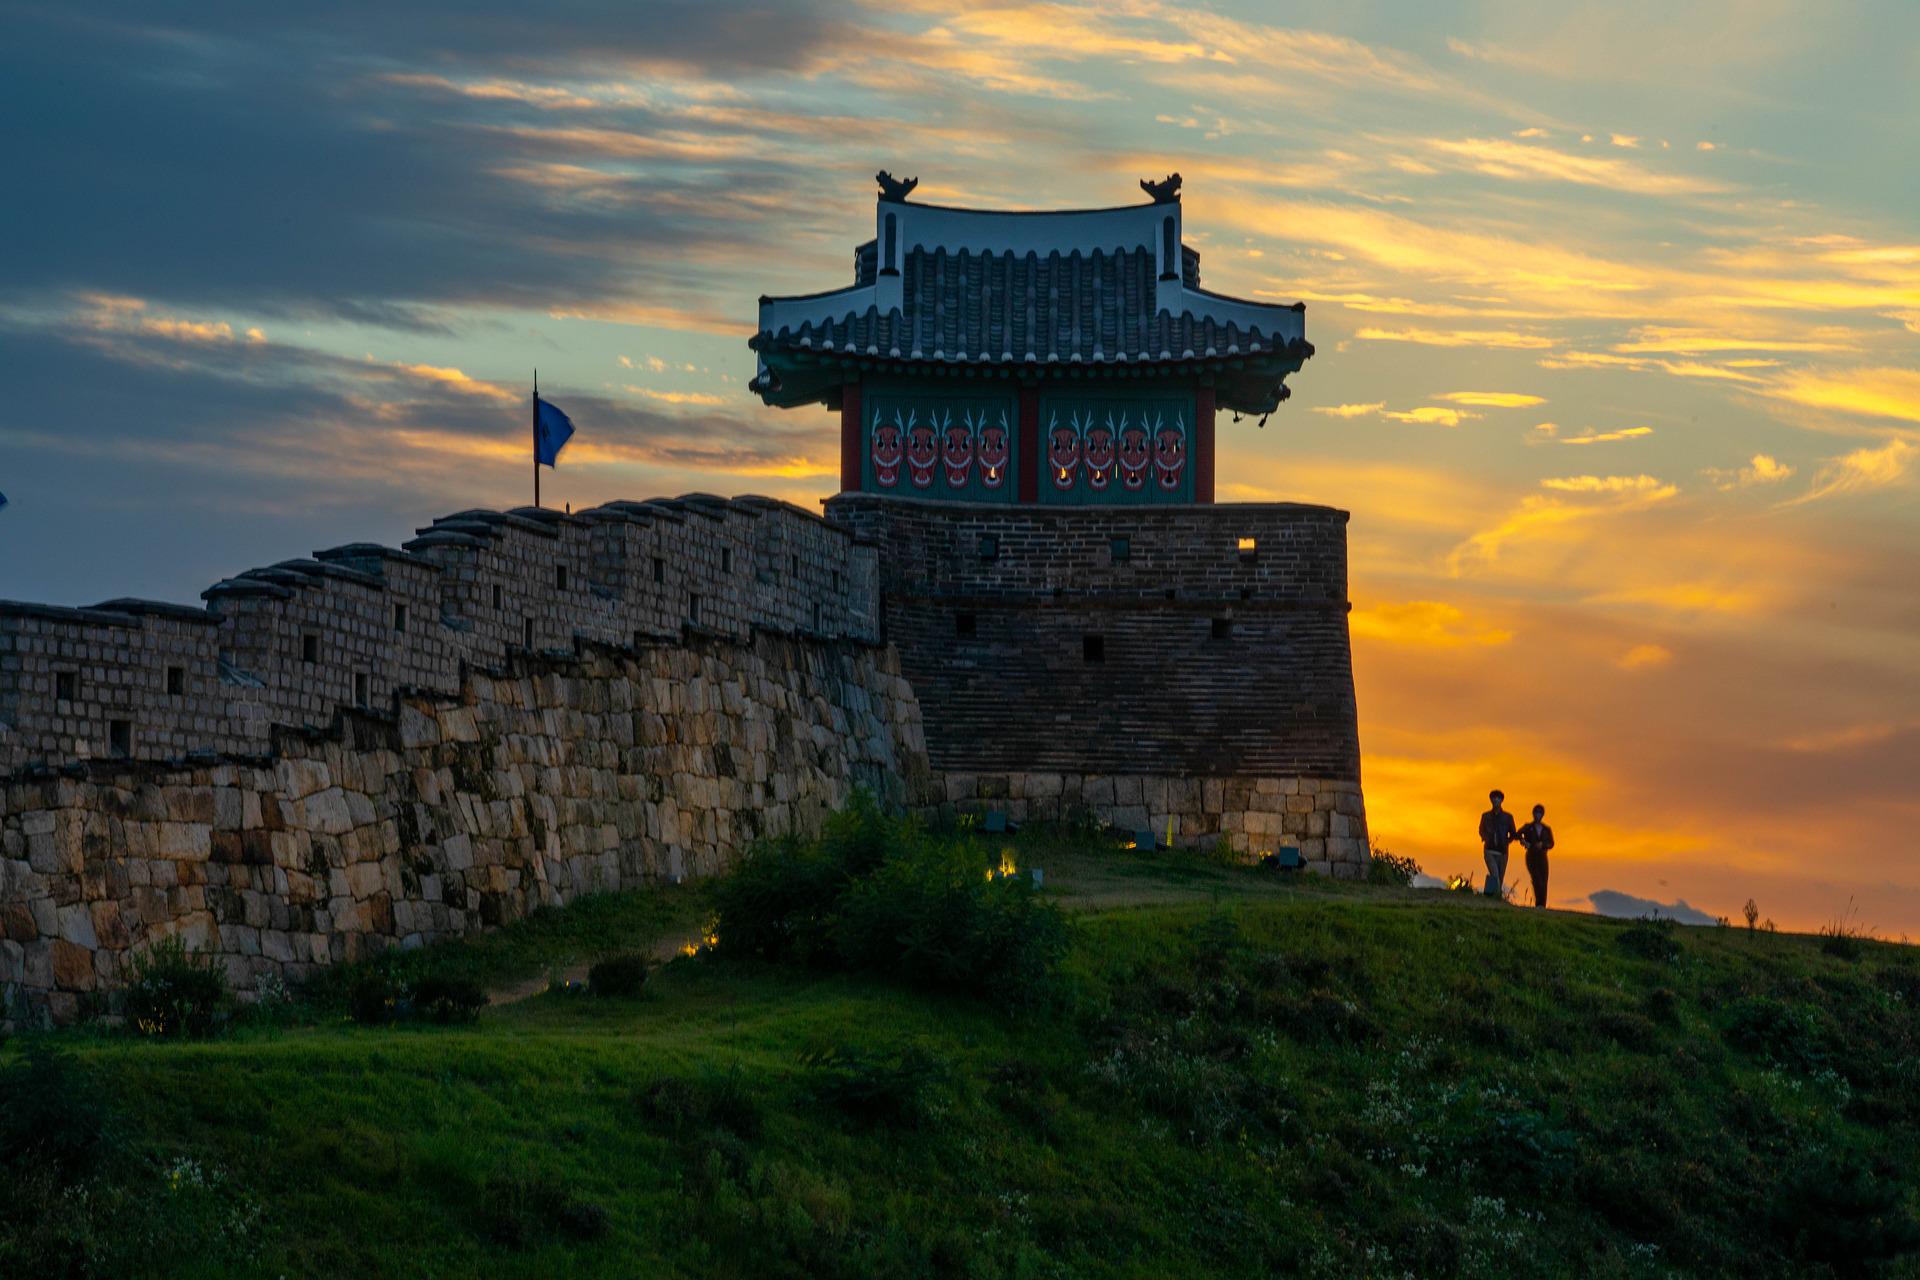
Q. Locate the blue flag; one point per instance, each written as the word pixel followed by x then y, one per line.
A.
pixel 551 431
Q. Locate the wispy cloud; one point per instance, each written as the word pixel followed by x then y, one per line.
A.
pixel 1863 469
pixel 1589 435
pixel 1426 623
pixel 1492 399
pixel 1764 469
pixel 1456 337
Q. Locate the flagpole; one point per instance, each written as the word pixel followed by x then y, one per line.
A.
pixel 536 437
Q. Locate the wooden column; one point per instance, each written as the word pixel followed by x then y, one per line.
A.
pixel 850 438
pixel 1030 453
pixel 1203 445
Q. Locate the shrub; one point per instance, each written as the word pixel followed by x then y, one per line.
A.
pixel 1390 868
pixel 716 1100
pixel 618 977
pixel 1781 1033
pixel 930 916
pixel 1652 939
pixel 878 895
pixel 52 1117
pixel 899 1087
pixel 519 1209
pixel 1841 1211
pixel 375 994
pixel 172 991
pixel 447 1000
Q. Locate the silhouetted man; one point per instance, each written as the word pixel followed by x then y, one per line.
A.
pixel 1537 836
pixel 1497 836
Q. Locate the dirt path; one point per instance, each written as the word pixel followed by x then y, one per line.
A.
pixel 660 950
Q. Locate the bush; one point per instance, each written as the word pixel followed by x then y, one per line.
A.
pixel 375 996
pixel 618 977
pixel 447 1000
pixel 1778 1032
pixel 1650 939
pixel 899 1087
pixel 1390 868
pixel 879 895
pixel 172 991
pixel 715 1100
pixel 52 1117
pixel 520 1209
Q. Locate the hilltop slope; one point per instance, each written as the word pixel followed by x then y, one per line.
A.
pixel 1242 1077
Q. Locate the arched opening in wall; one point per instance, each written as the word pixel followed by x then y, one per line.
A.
pixel 659 569
pixel 1121 549
pixel 526 633
pixel 498 597
pixel 1248 550
pixel 989 548
pixel 1093 648
pixel 1222 629
pixel 965 626
pixel 310 648
pixel 362 689
pixel 176 682
pixel 693 610
pixel 399 617
pixel 559 577
pixel 726 560
pixel 66 686
pixel 816 616
pixel 120 738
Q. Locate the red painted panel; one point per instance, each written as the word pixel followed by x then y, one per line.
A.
pixel 1030 449
pixel 850 438
pixel 1203 445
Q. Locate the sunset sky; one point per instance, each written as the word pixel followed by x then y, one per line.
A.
pixel 1617 309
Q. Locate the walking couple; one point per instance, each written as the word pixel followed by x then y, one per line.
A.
pixel 1497 834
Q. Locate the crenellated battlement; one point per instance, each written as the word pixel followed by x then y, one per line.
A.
pixel 294 642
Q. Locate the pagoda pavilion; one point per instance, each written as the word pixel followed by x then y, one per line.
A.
pixel 1028 357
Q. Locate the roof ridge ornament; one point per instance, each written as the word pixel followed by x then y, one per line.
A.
pixel 895 189
pixel 1165 191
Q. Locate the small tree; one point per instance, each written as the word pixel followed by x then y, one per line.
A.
pixel 1752 913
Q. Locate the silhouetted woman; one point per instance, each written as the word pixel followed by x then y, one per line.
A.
pixel 1537 836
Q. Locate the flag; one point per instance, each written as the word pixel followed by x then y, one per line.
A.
pixel 551 431
pixel 3 499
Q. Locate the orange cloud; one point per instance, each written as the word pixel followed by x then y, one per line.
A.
pixel 1864 468
pixel 1879 393
pixel 1642 656
pixel 1492 399
pixel 1764 469
pixel 1590 436
pixel 1456 337
pixel 1426 623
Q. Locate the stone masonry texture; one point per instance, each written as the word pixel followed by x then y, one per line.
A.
pixel 552 778
pixel 380 746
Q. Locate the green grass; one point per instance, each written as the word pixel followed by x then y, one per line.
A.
pixel 1243 1075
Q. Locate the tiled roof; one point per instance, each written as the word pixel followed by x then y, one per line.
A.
pixel 968 287
pixel 1092 308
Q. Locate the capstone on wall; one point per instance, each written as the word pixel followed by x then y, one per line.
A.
pixel 556 776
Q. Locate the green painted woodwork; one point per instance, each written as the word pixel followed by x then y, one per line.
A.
pixel 1117 446
pixel 958 432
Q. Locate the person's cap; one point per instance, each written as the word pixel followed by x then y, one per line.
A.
pixel 1496 795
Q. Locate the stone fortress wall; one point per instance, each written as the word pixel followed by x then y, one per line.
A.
pixel 292 642
pixel 1178 668
pixel 383 746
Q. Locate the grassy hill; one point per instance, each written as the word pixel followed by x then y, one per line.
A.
pixel 1234 1074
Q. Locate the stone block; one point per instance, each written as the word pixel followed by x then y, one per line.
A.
pixel 72 966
